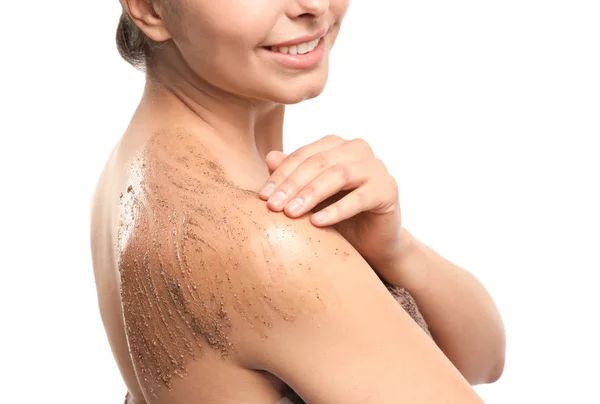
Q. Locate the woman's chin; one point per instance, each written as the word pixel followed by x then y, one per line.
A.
pixel 300 98
pixel 297 94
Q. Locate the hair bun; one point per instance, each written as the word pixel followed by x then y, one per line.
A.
pixel 132 43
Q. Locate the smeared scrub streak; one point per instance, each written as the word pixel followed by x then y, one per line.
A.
pixel 182 226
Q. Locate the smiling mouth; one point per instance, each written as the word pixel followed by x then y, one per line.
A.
pixel 300 49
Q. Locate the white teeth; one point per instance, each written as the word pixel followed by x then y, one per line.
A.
pixel 299 49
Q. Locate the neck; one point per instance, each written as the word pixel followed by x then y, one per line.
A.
pixel 251 128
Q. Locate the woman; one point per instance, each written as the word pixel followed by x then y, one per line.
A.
pixel 216 282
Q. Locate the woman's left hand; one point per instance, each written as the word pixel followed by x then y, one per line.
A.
pixel 348 187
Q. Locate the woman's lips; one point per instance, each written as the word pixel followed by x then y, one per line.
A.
pixel 304 61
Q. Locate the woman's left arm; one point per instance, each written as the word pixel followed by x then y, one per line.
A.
pixel 353 191
pixel 460 313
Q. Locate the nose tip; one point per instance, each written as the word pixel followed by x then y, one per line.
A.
pixel 314 8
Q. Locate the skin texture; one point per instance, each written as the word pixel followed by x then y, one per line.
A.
pixel 178 296
pixel 210 277
pixel 345 181
pixel 201 286
pixel 465 322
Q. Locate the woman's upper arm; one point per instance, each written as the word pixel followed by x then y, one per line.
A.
pixel 203 276
pixel 329 327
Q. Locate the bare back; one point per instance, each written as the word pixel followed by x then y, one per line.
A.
pixel 200 286
pixel 217 378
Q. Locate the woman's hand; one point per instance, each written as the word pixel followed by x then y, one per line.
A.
pixel 348 187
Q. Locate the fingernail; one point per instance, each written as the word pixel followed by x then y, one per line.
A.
pixel 278 198
pixel 267 190
pixel 321 216
pixel 295 204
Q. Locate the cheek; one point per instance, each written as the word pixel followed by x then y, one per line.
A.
pixel 222 41
pixel 210 52
pixel 339 9
pixel 225 56
pixel 229 24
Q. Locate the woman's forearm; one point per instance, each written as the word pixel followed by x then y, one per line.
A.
pixel 461 315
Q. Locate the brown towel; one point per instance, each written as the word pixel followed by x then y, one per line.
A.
pixel 409 305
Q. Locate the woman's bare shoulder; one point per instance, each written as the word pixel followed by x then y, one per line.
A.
pixel 207 269
pixel 181 220
pixel 272 293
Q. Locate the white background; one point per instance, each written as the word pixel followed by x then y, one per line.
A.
pixel 488 114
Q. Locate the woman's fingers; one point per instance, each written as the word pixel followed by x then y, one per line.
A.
pixel 359 200
pixel 361 177
pixel 339 177
pixel 292 161
pixel 305 174
pixel 372 197
pixel 285 188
